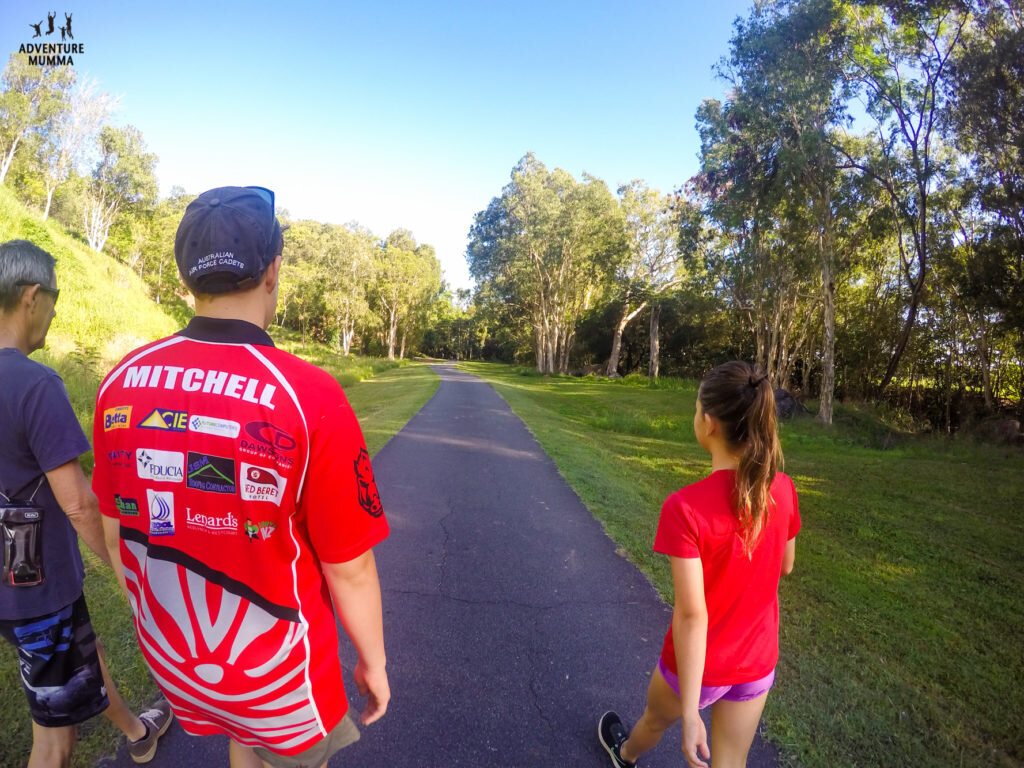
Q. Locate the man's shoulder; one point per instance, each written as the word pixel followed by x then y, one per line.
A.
pixel 25 373
pixel 303 375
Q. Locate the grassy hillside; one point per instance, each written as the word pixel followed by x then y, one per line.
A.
pixel 103 313
pixel 901 624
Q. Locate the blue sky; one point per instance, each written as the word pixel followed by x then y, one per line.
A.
pixel 400 114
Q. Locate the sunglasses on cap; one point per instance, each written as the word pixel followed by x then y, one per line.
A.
pixel 55 292
pixel 267 196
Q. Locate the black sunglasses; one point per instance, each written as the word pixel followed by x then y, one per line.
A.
pixel 55 292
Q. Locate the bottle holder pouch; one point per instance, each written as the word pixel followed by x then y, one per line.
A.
pixel 22 529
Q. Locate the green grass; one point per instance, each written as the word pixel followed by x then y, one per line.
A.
pixel 902 623
pixel 102 314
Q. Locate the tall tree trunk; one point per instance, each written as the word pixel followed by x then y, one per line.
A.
pixel 392 333
pixel 828 290
pixel 612 366
pixel 405 335
pixel 652 367
pixel 986 366
pixel 49 198
pixel 5 164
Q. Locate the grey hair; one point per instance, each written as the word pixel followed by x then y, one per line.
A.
pixel 22 262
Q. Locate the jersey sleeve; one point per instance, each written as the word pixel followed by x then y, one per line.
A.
pixel 677 531
pixel 794 518
pixel 51 427
pixel 340 504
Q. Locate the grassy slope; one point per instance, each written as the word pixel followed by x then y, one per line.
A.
pixel 901 625
pixel 103 313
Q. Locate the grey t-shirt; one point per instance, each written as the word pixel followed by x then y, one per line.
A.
pixel 39 432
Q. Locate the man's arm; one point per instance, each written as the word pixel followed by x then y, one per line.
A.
pixel 356 592
pixel 72 492
pixel 112 534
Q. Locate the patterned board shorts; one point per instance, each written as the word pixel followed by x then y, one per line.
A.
pixel 60 670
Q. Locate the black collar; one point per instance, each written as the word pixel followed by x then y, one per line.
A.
pixel 225 331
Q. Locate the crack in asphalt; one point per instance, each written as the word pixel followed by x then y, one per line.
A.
pixel 444 544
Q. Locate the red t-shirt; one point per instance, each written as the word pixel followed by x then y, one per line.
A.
pixel 742 594
pixel 234 468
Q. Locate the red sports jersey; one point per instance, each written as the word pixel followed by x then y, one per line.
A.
pixel 235 467
pixel 742 593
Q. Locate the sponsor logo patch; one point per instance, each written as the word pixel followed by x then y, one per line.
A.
pixel 211 523
pixel 127 507
pixel 369 499
pixel 117 418
pixel 268 441
pixel 119 458
pixel 163 466
pixel 262 484
pixel 161 512
pixel 169 421
pixel 211 426
pixel 214 474
pixel 259 531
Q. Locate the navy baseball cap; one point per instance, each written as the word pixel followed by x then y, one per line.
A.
pixel 227 239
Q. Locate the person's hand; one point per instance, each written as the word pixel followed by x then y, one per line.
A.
pixel 695 741
pixel 372 683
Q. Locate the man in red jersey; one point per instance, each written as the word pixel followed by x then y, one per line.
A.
pixel 238 499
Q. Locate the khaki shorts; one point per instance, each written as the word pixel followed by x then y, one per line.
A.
pixel 344 734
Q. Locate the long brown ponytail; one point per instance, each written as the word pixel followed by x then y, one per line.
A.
pixel 740 396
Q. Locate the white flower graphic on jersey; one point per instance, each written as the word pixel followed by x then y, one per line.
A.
pixel 221 658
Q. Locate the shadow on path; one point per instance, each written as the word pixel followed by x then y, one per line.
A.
pixel 511 623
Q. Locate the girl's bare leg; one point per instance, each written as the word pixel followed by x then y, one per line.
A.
pixel 663 709
pixel 733 725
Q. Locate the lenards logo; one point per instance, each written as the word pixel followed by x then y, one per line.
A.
pixel 211 523
pixel 116 418
pixel 48 53
pixel 261 484
pixel 169 421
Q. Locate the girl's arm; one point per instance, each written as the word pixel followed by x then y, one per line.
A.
pixel 789 557
pixel 690 637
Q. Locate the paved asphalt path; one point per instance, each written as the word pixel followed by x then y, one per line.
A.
pixel 511 623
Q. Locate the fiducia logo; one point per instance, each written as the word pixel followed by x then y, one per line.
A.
pixel 48 53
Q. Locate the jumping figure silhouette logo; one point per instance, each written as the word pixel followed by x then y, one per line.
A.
pixel 36 28
pixel 50 17
pixel 67 26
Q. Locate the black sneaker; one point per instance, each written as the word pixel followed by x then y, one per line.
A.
pixel 612 734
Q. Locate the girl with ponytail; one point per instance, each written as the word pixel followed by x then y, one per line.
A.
pixel 729 538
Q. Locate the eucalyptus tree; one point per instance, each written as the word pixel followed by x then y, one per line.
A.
pixel 67 134
pixel 899 57
pixel 785 67
pixel 30 97
pixel 124 176
pixel 648 267
pixel 545 247
pixel 406 276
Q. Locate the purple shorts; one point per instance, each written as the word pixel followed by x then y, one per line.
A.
pixel 710 694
